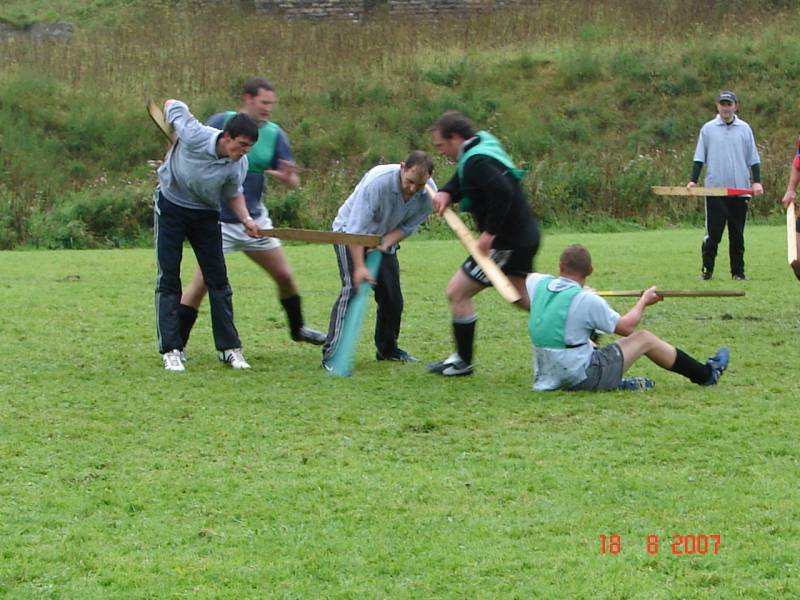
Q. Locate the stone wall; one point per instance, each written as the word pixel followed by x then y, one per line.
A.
pixel 431 7
pixel 38 32
pixel 357 10
pixel 351 10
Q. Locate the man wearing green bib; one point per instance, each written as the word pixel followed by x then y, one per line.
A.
pixel 564 315
pixel 487 184
pixel 270 156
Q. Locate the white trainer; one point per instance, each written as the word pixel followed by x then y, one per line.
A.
pixel 234 358
pixel 172 361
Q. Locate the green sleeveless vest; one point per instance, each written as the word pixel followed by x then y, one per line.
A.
pixel 487 146
pixel 262 153
pixel 548 315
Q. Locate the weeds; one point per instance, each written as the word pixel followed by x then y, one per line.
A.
pixel 574 100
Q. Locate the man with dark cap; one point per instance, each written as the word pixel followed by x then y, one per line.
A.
pixel 727 147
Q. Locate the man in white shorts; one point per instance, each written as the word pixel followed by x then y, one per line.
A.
pixel 272 156
pixel 564 315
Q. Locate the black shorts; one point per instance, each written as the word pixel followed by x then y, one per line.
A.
pixel 517 262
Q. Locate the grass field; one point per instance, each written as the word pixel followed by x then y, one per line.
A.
pixel 122 481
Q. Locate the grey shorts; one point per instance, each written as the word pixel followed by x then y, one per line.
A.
pixel 235 238
pixel 604 371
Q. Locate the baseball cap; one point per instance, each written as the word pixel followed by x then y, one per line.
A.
pixel 727 95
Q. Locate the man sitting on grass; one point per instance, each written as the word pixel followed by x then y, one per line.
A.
pixel 564 315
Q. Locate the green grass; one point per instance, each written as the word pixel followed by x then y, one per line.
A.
pixel 121 480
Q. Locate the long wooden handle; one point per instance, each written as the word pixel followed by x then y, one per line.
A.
pixel 493 273
pixel 322 237
pixel 674 293
pixel 668 190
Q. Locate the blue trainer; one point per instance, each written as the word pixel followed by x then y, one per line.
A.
pixel 636 384
pixel 718 363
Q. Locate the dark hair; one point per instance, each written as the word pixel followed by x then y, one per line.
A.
pixel 576 260
pixel 252 85
pixel 452 123
pixel 242 124
pixel 418 158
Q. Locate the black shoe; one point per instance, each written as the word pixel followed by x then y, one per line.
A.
pixel 311 336
pixel 452 366
pixel 397 355
pixel 738 277
pixel 705 275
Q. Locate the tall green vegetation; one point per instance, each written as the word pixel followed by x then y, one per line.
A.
pixel 598 104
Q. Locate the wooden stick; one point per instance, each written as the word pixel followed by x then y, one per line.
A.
pixel 674 293
pixel 158 118
pixel 493 273
pixel 665 190
pixel 791 239
pixel 322 237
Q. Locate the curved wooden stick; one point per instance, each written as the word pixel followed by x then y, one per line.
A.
pixel 158 118
pixel 493 273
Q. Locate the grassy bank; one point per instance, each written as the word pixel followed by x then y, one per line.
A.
pixel 598 104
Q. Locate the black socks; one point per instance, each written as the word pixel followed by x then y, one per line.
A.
pixel 685 365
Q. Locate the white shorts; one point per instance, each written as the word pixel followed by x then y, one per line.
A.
pixel 234 237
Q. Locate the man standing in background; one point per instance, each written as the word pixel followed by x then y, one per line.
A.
pixel 727 146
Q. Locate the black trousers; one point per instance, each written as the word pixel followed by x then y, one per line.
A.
pixel 388 296
pixel 719 212
pixel 173 224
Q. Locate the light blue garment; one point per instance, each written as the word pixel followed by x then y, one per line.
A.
pixel 377 205
pixel 193 176
pixel 560 368
pixel 728 152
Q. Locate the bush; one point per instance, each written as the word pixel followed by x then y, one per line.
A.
pixel 109 218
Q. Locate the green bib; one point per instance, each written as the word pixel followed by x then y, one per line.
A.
pixel 487 146
pixel 548 315
pixel 262 153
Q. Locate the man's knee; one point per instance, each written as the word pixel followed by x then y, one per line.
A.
pixel 455 292
pixel 645 339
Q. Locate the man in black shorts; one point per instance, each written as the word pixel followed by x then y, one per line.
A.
pixel 487 184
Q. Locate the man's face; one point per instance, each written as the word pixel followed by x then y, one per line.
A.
pixel 449 147
pixel 235 148
pixel 412 180
pixel 260 106
pixel 726 110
